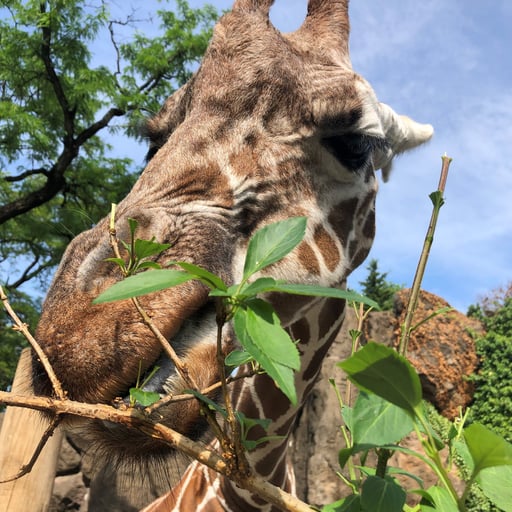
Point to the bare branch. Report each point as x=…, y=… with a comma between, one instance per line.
x=22, y=327
x=134, y=418
x=92, y=130
x=26, y=174
x=67, y=111
x=28, y=274
x=181, y=398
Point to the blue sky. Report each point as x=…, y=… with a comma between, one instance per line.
x=445, y=62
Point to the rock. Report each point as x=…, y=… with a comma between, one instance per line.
x=442, y=350
x=68, y=493
x=69, y=459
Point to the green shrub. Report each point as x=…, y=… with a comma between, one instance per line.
x=492, y=404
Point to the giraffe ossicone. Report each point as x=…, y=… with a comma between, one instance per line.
x=271, y=126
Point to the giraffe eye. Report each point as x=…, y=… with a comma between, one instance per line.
x=353, y=150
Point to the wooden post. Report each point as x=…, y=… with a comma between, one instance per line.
x=21, y=432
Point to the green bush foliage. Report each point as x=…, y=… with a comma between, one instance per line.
x=493, y=394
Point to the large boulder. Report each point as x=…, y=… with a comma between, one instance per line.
x=442, y=350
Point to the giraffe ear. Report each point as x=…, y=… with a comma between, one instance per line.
x=327, y=26
x=401, y=133
x=253, y=5
x=160, y=127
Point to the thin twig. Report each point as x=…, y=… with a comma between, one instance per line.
x=181, y=367
x=437, y=201
x=167, y=399
x=235, y=439
x=360, y=315
x=27, y=468
x=182, y=370
x=23, y=328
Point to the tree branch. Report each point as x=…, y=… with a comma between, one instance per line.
x=27, y=468
x=26, y=174
x=134, y=418
x=94, y=128
x=27, y=274
x=67, y=111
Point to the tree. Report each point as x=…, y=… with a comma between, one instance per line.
x=377, y=288
x=490, y=304
x=57, y=172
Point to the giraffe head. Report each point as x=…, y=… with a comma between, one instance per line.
x=271, y=126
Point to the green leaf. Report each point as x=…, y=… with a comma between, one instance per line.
x=141, y=284
x=495, y=483
x=147, y=248
x=250, y=444
x=272, y=243
x=381, y=370
x=148, y=264
x=398, y=471
x=347, y=413
x=132, y=223
x=461, y=449
x=349, y=504
x=382, y=495
x=377, y=421
x=282, y=375
x=264, y=327
x=208, y=401
x=248, y=423
x=343, y=455
x=437, y=499
x=437, y=199
x=261, y=285
x=144, y=398
x=487, y=449
x=118, y=261
x=323, y=291
x=211, y=280
x=238, y=358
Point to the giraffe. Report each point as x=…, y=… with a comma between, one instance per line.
x=270, y=126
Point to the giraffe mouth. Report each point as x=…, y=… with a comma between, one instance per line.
x=195, y=345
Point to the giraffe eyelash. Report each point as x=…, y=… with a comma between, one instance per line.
x=354, y=150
